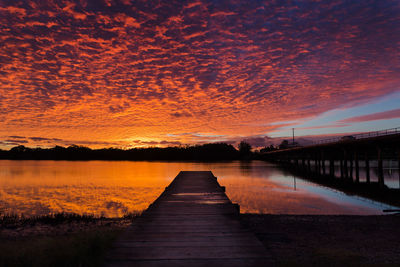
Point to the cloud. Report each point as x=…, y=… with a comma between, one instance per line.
x=385, y=115
x=16, y=137
x=258, y=142
x=181, y=114
x=15, y=141
x=323, y=126
x=44, y=139
x=116, y=71
x=50, y=142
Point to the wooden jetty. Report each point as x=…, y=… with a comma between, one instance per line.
x=192, y=223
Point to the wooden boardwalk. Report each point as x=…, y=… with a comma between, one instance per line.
x=192, y=223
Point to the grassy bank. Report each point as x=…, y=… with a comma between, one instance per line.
x=328, y=240
x=58, y=239
x=78, y=249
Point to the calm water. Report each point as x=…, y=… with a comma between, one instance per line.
x=113, y=188
x=390, y=171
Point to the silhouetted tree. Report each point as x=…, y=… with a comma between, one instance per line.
x=267, y=149
x=284, y=144
x=18, y=149
x=207, y=152
x=244, y=149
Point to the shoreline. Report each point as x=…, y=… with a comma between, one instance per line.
x=293, y=240
x=332, y=240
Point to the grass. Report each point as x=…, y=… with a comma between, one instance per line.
x=9, y=220
x=74, y=247
x=79, y=249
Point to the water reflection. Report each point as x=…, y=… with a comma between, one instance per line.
x=114, y=188
x=390, y=171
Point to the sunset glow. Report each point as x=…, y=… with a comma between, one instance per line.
x=159, y=73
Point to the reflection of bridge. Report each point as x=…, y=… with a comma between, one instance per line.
x=319, y=159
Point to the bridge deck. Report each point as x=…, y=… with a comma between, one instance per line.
x=192, y=223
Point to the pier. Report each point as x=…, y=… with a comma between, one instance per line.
x=192, y=223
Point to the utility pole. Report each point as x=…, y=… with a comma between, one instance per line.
x=293, y=136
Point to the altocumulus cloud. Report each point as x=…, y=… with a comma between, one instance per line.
x=117, y=71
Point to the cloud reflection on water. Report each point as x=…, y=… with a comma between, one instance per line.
x=115, y=188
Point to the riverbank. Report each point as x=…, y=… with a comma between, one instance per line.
x=58, y=240
x=293, y=240
x=328, y=240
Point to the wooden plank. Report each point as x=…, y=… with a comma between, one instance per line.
x=192, y=223
x=188, y=252
x=195, y=263
x=216, y=242
x=182, y=236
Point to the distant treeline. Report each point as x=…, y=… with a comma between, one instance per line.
x=206, y=152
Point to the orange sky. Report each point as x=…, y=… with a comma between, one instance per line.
x=139, y=73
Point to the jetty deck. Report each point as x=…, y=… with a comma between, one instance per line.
x=192, y=223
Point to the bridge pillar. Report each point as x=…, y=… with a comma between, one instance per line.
x=346, y=171
x=367, y=167
x=381, y=180
x=296, y=161
x=312, y=165
x=351, y=167
x=341, y=169
x=357, y=166
x=309, y=163
x=319, y=164
x=323, y=162
x=331, y=167
x=315, y=169
x=398, y=164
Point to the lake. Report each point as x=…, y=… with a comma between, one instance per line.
x=114, y=188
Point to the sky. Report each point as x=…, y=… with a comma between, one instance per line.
x=163, y=73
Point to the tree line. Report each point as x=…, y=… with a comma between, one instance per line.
x=206, y=152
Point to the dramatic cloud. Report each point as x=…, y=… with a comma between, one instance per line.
x=385, y=115
x=112, y=72
x=50, y=142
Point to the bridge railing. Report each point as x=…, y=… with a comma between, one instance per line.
x=360, y=136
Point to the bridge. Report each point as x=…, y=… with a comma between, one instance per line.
x=384, y=132
x=192, y=223
x=319, y=160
